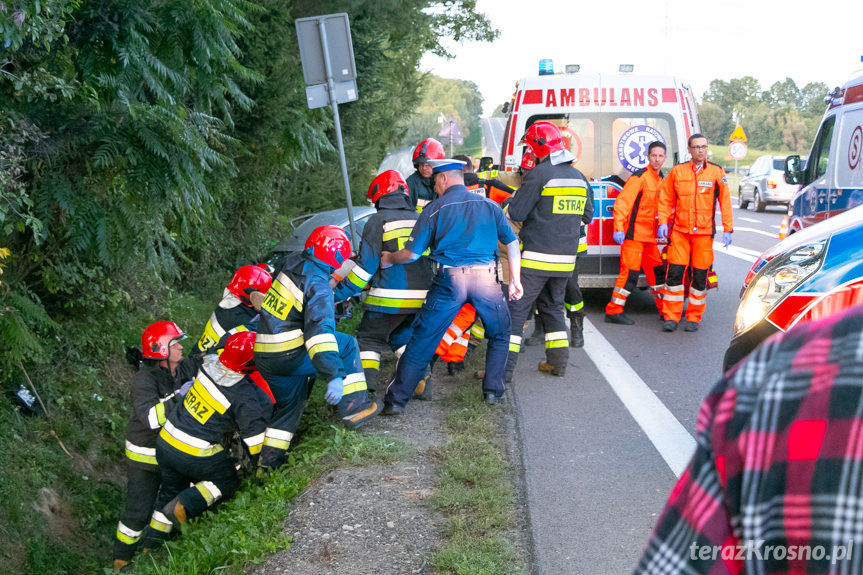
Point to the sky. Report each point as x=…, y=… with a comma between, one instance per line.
x=695, y=41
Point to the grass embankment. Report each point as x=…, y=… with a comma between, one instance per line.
x=475, y=493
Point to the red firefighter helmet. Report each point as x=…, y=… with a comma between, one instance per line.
x=429, y=149
x=158, y=337
x=329, y=244
x=249, y=278
x=543, y=138
x=385, y=183
x=527, y=161
x=239, y=352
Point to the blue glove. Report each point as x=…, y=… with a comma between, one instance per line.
x=335, y=389
x=726, y=239
x=619, y=237
x=184, y=389
x=662, y=231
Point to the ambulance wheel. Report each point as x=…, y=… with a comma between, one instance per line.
x=741, y=203
x=757, y=204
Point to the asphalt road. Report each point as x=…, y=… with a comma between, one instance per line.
x=602, y=446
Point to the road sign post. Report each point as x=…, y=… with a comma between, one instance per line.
x=325, y=45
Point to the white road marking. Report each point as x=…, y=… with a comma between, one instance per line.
x=667, y=434
x=756, y=231
x=740, y=253
x=749, y=219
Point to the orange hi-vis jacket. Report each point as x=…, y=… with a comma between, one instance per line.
x=691, y=194
x=453, y=347
x=636, y=205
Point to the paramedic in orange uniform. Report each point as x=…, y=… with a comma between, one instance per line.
x=691, y=192
x=635, y=228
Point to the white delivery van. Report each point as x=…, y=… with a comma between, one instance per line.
x=607, y=120
x=832, y=181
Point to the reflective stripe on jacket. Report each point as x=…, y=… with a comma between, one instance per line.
x=691, y=195
x=636, y=205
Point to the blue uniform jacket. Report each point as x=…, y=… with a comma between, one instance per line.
x=461, y=229
x=398, y=289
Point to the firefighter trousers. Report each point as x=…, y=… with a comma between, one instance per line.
x=573, y=299
x=213, y=477
x=450, y=290
x=142, y=488
x=376, y=330
x=548, y=294
x=635, y=256
x=685, y=250
x=292, y=388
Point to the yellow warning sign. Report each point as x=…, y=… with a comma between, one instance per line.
x=738, y=135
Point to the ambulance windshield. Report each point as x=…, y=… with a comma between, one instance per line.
x=608, y=145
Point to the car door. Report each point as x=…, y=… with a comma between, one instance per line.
x=815, y=204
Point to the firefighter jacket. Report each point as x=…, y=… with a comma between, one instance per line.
x=553, y=202
x=492, y=189
x=154, y=395
x=229, y=314
x=421, y=191
x=691, y=195
x=298, y=316
x=636, y=205
x=398, y=289
x=218, y=403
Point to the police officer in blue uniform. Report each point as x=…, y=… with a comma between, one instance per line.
x=461, y=229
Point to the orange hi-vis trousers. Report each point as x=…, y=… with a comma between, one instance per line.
x=453, y=347
x=687, y=250
x=635, y=256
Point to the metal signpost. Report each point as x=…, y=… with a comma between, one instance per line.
x=325, y=47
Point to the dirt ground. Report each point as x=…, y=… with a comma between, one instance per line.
x=379, y=519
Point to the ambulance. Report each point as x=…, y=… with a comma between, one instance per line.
x=607, y=121
x=832, y=180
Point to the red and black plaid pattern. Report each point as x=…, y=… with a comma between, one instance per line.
x=778, y=464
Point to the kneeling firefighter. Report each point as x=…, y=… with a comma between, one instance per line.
x=297, y=339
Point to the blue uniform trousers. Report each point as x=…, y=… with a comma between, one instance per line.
x=291, y=386
x=450, y=290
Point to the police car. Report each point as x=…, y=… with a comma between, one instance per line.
x=607, y=122
x=809, y=275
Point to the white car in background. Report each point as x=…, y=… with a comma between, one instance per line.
x=765, y=184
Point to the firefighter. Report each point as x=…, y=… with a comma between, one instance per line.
x=189, y=450
x=397, y=292
x=691, y=192
x=297, y=339
x=155, y=392
x=462, y=231
x=491, y=188
x=550, y=203
x=235, y=308
x=420, y=186
x=635, y=229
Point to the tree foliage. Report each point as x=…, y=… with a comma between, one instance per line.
x=149, y=147
x=783, y=117
x=460, y=99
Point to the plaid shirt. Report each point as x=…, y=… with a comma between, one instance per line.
x=776, y=482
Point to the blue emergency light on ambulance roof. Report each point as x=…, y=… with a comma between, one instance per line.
x=546, y=67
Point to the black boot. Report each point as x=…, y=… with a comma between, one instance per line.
x=538, y=335
x=576, y=330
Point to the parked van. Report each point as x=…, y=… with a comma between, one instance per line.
x=607, y=121
x=832, y=180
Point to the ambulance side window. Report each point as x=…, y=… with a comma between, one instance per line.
x=819, y=160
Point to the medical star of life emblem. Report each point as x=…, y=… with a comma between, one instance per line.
x=632, y=146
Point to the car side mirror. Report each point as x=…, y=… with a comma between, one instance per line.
x=793, y=170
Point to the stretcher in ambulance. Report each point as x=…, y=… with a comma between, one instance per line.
x=607, y=121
